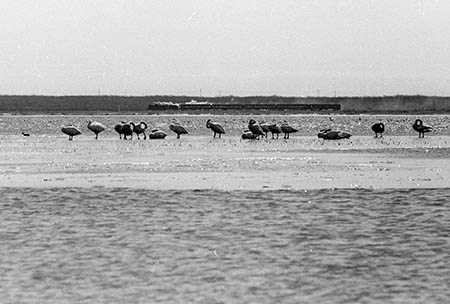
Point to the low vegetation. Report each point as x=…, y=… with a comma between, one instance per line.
x=29, y=104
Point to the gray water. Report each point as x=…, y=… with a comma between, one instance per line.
x=138, y=246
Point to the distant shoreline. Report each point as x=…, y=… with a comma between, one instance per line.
x=215, y=113
x=110, y=105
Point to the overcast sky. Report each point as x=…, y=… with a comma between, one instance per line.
x=229, y=47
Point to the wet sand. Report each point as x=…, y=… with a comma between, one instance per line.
x=201, y=162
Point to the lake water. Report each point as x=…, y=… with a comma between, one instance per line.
x=130, y=245
x=103, y=245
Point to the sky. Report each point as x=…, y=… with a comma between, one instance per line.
x=229, y=47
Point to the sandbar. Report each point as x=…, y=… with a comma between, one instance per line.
x=197, y=163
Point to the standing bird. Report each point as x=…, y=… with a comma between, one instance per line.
x=125, y=129
x=178, y=128
x=255, y=128
x=330, y=134
x=419, y=127
x=128, y=129
x=157, y=134
x=119, y=129
x=275, y=129
x=378, y=128
x=71, y=131
x=140, y=129
x=287, y=129
x=265, y=127
x=215, y=127
x=96, y=127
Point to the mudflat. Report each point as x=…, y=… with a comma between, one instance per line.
x=229, y=163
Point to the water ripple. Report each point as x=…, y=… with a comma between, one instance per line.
x=125, y=245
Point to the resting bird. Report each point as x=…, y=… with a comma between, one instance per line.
x=96, y=127
x=140, y=129
x=378, y=128
x=25, y=134
x=255, y=128
x=177, y=128
x=247, y=134
x=275, y=129
x=157, y=134
x=330, y=134
x=287, y=129
x=215, y=127
x=265, y=127
x=419, y=127
x=71, y=131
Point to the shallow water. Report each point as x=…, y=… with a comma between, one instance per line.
x=103, y=245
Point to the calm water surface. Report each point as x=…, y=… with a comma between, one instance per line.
x=105, y=245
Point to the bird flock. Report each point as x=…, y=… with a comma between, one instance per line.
x=254, y=130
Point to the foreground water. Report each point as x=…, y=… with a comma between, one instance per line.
x=103, y=245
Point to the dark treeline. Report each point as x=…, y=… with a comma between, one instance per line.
x=29, y=104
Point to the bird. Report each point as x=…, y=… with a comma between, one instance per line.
x=419, y=127
x=127, y=129
x=119, y=128
x=247, y=134
x=275, y=129
x=140, y=129
x=215, y=127
x=71, y=131
x=265, y=127
x=330, y=134
x=96, y=127
x=378, y=128
x=178, y=128
x=287, y=129
x=255, y=128
x=25, y=134
x=157, y=134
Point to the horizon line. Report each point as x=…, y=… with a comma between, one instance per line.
x=223, y=96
